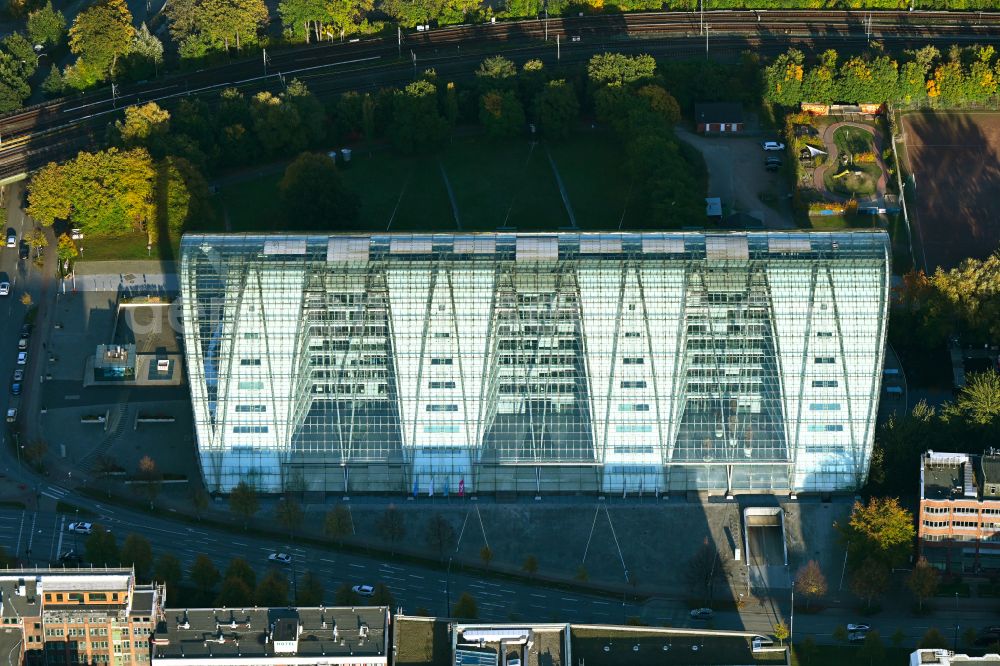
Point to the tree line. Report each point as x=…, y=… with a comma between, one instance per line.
x=151, y=179
x=966, y=74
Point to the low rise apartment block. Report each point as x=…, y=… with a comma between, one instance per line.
x=959, y=523
x=279, y=636
x=76, y=616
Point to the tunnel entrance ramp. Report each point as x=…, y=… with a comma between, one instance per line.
x=767, y=551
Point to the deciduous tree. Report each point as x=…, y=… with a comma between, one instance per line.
x=882, y=530
x=501, y=113
x=47, y=26
x=933, y=639
x=243, y=502
x=168, y=571
x=391, y=526
x=810, y=581
x=241, y=569
x=310, y=590
x=440, y=534
x=338, y=523
x=465, y=608
x=290, y=515
x=136, y=552
x=923, y=581
x=272, y=590
x=870, y=580
x=556, y=109
x=101, y=548
x=313, y=194
x=204, y=574
x=530, y=565
x=101, y=34
x=234, y=592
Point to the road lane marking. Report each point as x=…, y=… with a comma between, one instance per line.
x=540, y=596
x=357, y=566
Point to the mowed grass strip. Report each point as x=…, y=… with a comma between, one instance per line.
x=497, y=185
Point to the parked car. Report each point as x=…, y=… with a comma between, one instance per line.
x=702, y=613
x=15, y=388
x=4, y=288
x=18, y=375
x=280, y=558
x=11, y=238
x=22, y=358
x=80, y=528
x=363, y=590
x=11, y=414
x=762, y=641
x=26, y=330
x=22, y=249
x=22, y=344
x=70, y=557
x=773, y=145
x=859, y=627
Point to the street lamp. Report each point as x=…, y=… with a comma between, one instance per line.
x=447, y=586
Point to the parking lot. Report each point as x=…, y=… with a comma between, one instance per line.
x=737, y=175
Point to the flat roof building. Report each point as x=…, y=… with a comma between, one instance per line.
x=71, y=616
x=552, y=362
x=959, y=527
x=285, y=636
x=948, y=658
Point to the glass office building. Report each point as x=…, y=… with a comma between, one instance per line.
x=535, y=363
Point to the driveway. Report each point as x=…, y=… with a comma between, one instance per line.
x=736, y=174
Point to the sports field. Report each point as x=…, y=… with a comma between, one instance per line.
x=952, y=169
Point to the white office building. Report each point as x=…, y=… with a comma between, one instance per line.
x=535, y=363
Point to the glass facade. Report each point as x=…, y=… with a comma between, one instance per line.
x=562, y=362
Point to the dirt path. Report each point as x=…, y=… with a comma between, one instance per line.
x=820, y=184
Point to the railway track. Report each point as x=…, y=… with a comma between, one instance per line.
x=55, y=130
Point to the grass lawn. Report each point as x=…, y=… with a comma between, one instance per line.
x=129, y=246
x=837, y=655
x=420, y=641
x=496, y=185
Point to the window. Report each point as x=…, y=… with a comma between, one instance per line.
x=967, y=510
x=633, y=408
x=251, y=385
x=442, y=335
x=633, y=360
x=98, y=596
x=825, y=383
x=633, y=384
x=964, y=523
x=253, y=409
x=825, y=360
x=935, y=509
x=76, y=597
x=441, y=428
x=440, y=361
x=254, y=430
x=826, y=428
x=249, y=361
x=442, y=385
x=442, y=408
x=634, y=428
x=251, y=336
x=632, y=334
x=934, y=523
x=824, y=407
x=824, y=334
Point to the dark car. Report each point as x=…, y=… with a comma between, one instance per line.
x=22, y=250
x=15, y=388
x=70, y=557
x=26, y=330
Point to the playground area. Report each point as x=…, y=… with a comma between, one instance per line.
x=951, y=165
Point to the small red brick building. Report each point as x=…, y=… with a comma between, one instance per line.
x=718, y=118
